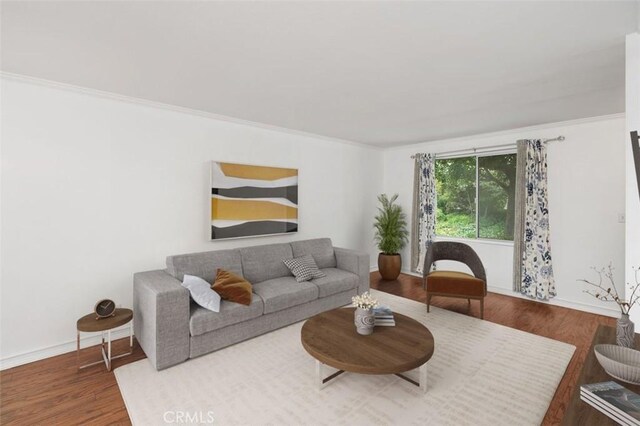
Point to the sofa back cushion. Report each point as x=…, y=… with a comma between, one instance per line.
x=205, y=264
x=321, y=249
x=261, y=263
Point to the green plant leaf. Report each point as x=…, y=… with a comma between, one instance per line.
x=390, y=226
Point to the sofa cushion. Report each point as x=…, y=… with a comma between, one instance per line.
x=320, y=248
x=335, y=281
x=203, y=321
x=262, y=263
x=205, y=264
x=284, y=292
x=455, y=283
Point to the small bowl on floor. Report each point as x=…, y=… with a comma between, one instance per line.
x=619, y=362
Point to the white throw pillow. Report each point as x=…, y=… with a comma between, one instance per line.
x=202, y=293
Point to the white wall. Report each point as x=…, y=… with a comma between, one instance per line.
x=632, y=123
x=586, y=191
x=95, y=189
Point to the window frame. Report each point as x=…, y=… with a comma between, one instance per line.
x=476, y=154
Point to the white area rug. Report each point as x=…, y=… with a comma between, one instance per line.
x=480, y=374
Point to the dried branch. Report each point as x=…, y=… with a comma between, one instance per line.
x=610, y=294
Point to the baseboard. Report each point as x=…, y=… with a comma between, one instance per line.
x=585, y=307
x=63, y=348
x=412, y=273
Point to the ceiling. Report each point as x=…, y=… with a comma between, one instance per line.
x=380, y=73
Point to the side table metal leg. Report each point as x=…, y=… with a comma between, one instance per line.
x=103, y=351
x=109, y=350
x=78, y=349
x=106, y=349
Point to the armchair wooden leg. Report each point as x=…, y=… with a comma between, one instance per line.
x=428, y=302
x=482, y=308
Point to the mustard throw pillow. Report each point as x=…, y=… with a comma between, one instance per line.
x=232, y=287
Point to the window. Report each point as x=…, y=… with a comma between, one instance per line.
x=475, y=196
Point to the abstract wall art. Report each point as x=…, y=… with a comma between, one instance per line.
x=248, y=200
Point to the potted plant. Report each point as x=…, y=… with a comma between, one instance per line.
x=390, y=235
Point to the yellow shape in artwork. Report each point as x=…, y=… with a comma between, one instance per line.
x=256, y=172
x=250, y=210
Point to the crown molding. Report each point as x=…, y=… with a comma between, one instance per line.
x=218, y=117
x=174, y=108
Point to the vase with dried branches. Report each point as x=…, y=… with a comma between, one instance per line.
x=605, y=289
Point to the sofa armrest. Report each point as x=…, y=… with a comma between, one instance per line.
x=161, y=317
x=356, y=262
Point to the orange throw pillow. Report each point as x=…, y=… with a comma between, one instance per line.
x=231, y=287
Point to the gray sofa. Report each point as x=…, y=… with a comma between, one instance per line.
x=171, y=328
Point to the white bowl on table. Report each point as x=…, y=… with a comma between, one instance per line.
x=619, y=362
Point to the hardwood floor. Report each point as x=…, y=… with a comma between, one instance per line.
x=566, y=325
x=52, y=391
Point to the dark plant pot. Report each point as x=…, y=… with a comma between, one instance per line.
x=389, y=266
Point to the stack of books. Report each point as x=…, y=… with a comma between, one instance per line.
x=614, y=401
x=383, y=316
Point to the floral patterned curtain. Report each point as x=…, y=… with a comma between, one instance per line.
x=424, y=219
x=535, y=277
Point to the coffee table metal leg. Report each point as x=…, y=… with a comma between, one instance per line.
x=319, y=380
x=322, y=381
x=423, y=377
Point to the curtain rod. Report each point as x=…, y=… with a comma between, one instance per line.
x=490, y=148
x=559, y=138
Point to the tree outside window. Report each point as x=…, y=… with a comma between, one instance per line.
x=476, y=196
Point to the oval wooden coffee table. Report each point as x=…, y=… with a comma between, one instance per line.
x=331, y=338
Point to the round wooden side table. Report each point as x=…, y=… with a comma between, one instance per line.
x=90, y=324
